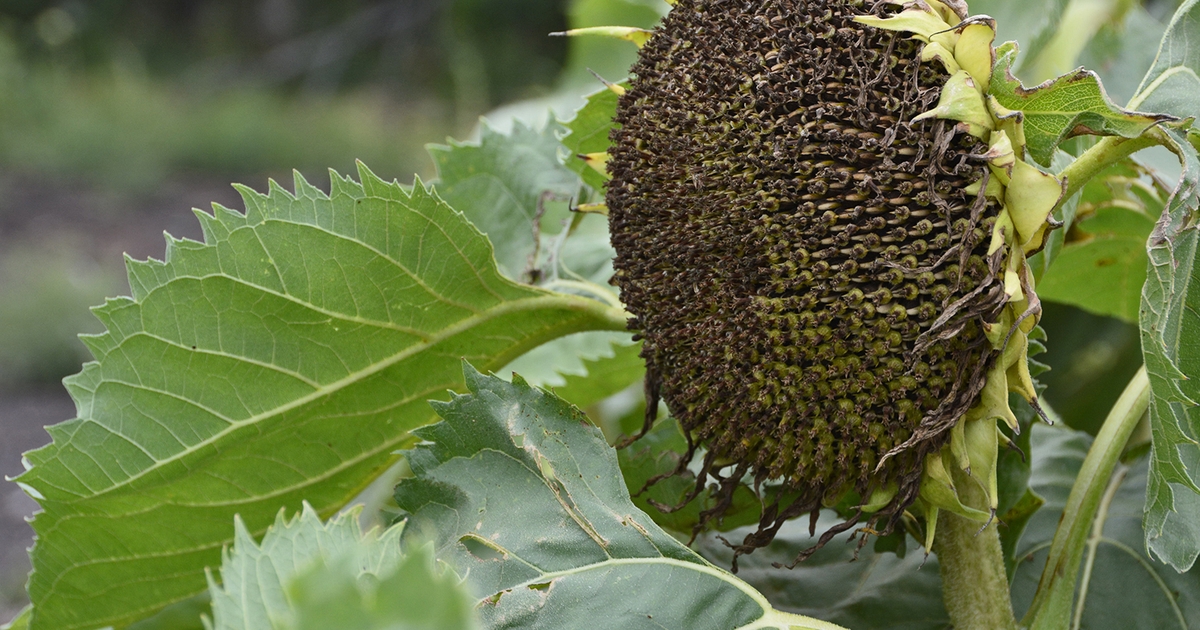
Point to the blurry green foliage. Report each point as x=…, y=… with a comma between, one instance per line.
x=47, y=291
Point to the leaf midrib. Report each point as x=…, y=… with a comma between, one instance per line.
x=533, y=303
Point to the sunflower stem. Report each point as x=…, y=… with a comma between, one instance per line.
x=1108, y=151
x=974, y=584
x=1051, y=606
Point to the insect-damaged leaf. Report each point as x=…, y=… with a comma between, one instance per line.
x=522, y=496
x=1071, y=105
x=1170, y=331
x=285, y=358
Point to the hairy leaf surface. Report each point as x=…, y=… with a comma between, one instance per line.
x=284, y=359
x=522, y=496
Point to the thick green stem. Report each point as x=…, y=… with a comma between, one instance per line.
x=1051, y=608
x=1108, y=151
x=974, y=584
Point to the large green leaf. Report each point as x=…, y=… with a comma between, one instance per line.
x=1125, y=589
x=309, y=574
x=1170, y=331
x=1170, y=321
x=878, y=591
x=523, y=497
x=1172, y=84
x=284, y=359
x=1103, y=267
x=1071, y=105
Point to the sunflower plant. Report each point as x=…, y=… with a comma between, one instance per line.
x=764, y=317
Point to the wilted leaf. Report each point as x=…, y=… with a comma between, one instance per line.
x=1071, y=105
x=1126, y=590
x=285, y=359
x=522, y=496
x=1170, y=330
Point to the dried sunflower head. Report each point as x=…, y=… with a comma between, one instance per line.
x=814, y=236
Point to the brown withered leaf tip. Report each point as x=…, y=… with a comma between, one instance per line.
x=803, y=264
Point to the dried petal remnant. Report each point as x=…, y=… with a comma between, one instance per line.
x=808, y=274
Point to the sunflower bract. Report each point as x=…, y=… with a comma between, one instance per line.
x=803, y=262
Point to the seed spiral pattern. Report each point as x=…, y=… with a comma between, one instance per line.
x=802, y=261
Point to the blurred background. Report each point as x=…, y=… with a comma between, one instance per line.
x=119, y=116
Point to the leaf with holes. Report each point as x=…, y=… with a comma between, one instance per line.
x=284, y=359
x=520, y=494
x=1170, y=332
